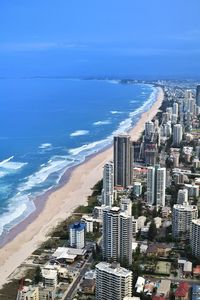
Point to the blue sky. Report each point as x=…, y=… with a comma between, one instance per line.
x=137, y=38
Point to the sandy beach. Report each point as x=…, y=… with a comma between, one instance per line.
x=61, y=202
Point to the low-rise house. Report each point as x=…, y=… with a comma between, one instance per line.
x=164, y=288
x=143, y=248
x=139, y=286
x=141, y=221
x=64, y=254
x=148, y=288
x=28, y=293
x=196, y=271
x=158, y=250
x=88, y=221
x=187, y=268
x=50, y=277
x=90, y=274
x=144, y=231
x=181, y=262
x=47, y=293
x=88, y=286
x=166, y=211
x=158, y=222
x=182, y=291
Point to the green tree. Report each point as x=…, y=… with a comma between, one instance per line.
x=38, y=275
x=152, y=231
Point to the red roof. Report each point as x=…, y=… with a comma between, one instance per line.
x=182, y=290
x=196, y=270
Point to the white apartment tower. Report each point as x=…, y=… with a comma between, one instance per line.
x=182, y=196
x=177, y=135
x=175, y=108
x=195, y=238
x=149, y=129
x=77, y=235
x=112, y=282
x=156, y=184
x=108, y=184
x=182, y=216
x=117, y=235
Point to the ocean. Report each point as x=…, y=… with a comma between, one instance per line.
x=48, y=125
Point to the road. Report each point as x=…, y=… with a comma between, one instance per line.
x=75, y=284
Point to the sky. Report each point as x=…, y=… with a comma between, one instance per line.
x=121, y=38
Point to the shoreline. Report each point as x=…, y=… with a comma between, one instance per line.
x=59, y=202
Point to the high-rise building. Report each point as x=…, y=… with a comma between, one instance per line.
x=182, y=196
x=117, y=235
x=77, y=235
x=198, y=95
x=156, y=184
x=175, y=108
x=137, y=188
x=191, y=106
x=182, y=216
x=151, y=154
x=160, y=186
x=195, y=238
x=108, y=184
x=123, y=161
x=177, y=135
x=149, y=129
x=112, y=282
x=188, y=94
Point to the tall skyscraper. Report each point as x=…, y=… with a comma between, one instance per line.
x=156, y=184
x=149, y=129
x=108, y=184
x=182, y=216
x=175, y=108
x=77, y=235
x=198, y=95
x=123, y=161
x=177, y=135
x=195, y=238
x=112, y=282
x=160, y=186
x=182, y=196
x=117, y=235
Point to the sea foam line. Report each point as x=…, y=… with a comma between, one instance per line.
x=58, y=165
x=79, y=133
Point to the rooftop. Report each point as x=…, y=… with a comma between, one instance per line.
x=113, y=268
x=49, y=273
x=182, y=290
x=196, y=222
x=77, y=226
x=68, y=253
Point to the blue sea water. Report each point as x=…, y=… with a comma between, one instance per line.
x=48, y=125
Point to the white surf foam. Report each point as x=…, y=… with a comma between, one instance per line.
x=21, y=206
x=18, y=209
x=79, y=133
x=54, y=165
x=8, y=166
x=99, y=123
x=45, y=146
x=115, y=112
